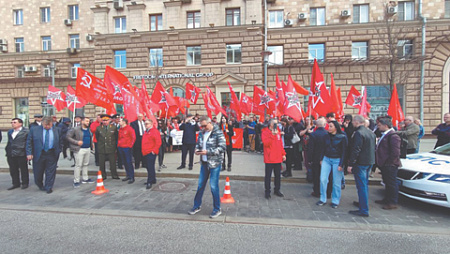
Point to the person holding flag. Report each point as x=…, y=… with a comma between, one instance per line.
x=228, y=132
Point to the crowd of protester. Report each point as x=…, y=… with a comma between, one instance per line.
x=327, y=147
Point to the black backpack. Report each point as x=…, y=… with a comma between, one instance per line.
x=403, y=144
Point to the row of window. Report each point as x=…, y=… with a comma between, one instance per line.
x=46, y=72
x=46, y=42
x=45, y=17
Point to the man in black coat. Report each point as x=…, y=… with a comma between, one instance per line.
x=189, y=128
x=316, y=150
x=139, y=129
x=16, y=154
x=362, y=158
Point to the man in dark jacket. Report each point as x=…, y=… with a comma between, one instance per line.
x=107, y=145
x=16, y=154
x=443, y=131
x=37, y=121
x=362, y=158
x=388, y=160
x=139, y=129
x=316, y=150
x=189, y=128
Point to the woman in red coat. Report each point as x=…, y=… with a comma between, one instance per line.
x=151, y=141
x=274, y=155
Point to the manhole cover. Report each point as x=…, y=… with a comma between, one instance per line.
x=171, y=186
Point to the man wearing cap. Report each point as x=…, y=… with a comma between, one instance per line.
x=107, y=145
x=44, y=145
x=77, y=121
x=189, y=128
x=116, y=121
x=139, y=129
x=79, y=139
x=37, y=121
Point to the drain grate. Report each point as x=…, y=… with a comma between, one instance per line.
x=171, y=186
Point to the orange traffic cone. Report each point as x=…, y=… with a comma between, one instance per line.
x=227, y=198
x=100, y=187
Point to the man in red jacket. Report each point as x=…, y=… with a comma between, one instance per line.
x=274, y=155
x=151, y=141
x=93, y=128
x=125, y=143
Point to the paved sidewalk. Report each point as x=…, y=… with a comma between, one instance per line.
x=171, y=198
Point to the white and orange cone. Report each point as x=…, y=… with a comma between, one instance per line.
x=227, y=198
x=100, y=187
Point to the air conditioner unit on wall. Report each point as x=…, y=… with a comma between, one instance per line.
x=288, y=22
x=30, y=69
x=89, y=37
x=392, y=10
x=345, y=13
x=302, y=16
x=3, y=48
x=3, y=42
x=67, y=22
x=118, y=4
x=72, y=50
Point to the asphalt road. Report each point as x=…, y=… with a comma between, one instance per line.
x=53, y=232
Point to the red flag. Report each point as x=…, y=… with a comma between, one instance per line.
x=171, y=91
x=234, y=103
x=213, y=100
x=93, y=90
x=181, y=104
x=209, y=107
x=56, y=97
x=72, y=100
x=145, y=100
x=279, y=95
x=162, y=97
x=246, y=104
x=298, y=88
x=354, y=99
x=263, y=100
x=395, y=109
x=335, y=104
x=319, y=96
x=192, y=93
x=292, y=105
x=340, y=114
x=364, y=109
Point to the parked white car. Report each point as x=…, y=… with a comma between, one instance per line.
x=426, y=176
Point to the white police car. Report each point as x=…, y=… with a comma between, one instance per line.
x=426, y=176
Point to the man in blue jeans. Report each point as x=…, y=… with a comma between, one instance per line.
x=211, y=146
x=362, y=157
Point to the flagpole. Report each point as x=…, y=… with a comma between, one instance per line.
x=73, y=115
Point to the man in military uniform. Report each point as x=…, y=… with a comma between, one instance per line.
x=106, y=135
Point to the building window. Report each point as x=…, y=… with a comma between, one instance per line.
x=276, y=19
x=316, y=51
x=360, y=50
x=317, y=17
x=156, y=57
x=193, y=19
x=47, y=108
x=120, y=59
x=361, y=13
x=120, y=25
x=18, y=17
x=405, y=11
x=74, y=41
x=234, y=52
x=194, y=55
x=45, y=14
x=22, y=110
x=178, y=92
x=73, y=12
x=404, y=49
x=46, y=43
x=46, y=71
x=447, y=9
x=233, y=17
x=277, y=56
x=20, y=71
x=156, y=22
x=74, y=70
x=379, y=97
x=20, y=45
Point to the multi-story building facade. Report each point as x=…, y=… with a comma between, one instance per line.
x=212, y=42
